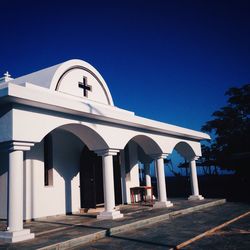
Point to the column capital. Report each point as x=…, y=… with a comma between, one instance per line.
x=159, y=156
x=16, y=146
x=195, y=158
x=107, y=152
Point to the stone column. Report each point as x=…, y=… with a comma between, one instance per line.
x=161, y=183
x=194, y=181
x=108, y=185
x=15, y=231
x=148, y=177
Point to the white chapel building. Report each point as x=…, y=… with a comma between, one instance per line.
x=64, y=145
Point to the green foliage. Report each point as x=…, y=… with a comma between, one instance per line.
x=230, y=148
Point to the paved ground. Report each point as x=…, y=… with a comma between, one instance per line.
x=61, y=228
x=131, y=213
x=170, y=233
x=234, y=236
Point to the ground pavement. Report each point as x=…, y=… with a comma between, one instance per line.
x=170, y=233
x=68, y=231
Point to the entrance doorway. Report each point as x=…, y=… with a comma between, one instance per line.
x=117, y=179
x=91, y=179
x=91, y=182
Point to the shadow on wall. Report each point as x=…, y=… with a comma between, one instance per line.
x=66, y=161
x=33, y=161
x=3, y=184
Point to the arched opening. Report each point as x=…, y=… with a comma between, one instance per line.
x=137, y=166
x=178, y=171
x=57, y=170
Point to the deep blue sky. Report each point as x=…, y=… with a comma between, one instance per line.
x=167, y=60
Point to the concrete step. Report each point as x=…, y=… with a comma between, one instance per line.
x=130, y=226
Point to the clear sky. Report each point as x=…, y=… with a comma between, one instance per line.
x=167, y=60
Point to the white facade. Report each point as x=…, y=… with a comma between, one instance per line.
x=72, y=103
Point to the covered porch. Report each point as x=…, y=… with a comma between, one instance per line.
x=32, y=167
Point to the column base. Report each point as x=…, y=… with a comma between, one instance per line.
x=148, y=197
x=109, y=215
x=12, y=237
x=195, y=197
x=162, y=204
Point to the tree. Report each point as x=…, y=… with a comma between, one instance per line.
x=230, y=128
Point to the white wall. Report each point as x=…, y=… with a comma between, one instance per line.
x=26, y=128
x=6, y=127
x=131, y=178
x=3, y=184
x=134, y=165
x=64, y=195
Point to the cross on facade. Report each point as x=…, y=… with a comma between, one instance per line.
x=7, y=75
x=83, y=85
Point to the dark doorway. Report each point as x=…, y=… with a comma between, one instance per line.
x=91, y=179
x=117, y=179
x=91, y=182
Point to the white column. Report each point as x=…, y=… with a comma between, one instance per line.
x=148, y=177
x=15, y=199
x=108, y=185
x=161, y=183
x=15, y=231
x=194, y=181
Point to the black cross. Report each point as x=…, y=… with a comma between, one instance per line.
x=85, y=86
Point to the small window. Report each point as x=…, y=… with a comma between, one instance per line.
x=48, y=160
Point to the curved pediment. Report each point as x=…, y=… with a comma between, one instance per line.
x=78, y=78
x=75, y=78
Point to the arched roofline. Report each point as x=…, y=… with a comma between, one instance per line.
x=50, y=77
x=67, y=66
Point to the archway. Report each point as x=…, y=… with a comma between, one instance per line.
x=63, y=157
x=136, y=159
x=177, y=168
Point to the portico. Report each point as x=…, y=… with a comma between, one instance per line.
x=71, y=103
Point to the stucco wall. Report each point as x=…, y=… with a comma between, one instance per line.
x=129, y=178
x=3, y=184
x=64, y=195
x=96, y=134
